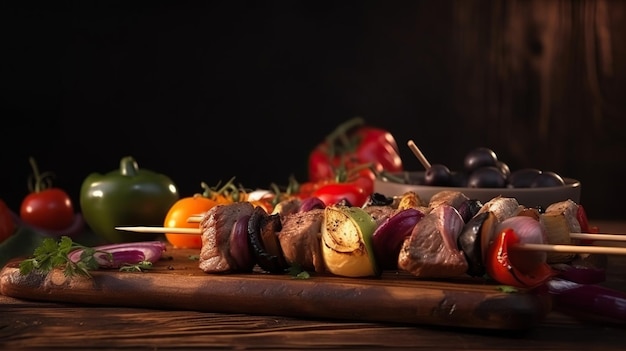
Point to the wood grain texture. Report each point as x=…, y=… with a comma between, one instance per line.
x=177, y=283
x=38, y=324
x=43, y=325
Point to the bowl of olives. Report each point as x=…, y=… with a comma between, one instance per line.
x=482, y=178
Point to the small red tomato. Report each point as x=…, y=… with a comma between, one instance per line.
x=46, y=207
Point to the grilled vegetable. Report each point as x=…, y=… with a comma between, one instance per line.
x=263, y=241
x=347, y=242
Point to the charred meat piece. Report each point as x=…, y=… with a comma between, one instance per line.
x=380, y=213
x=502, y=207
x=431, y=251
x=300, y=239
x=288, y=206
x=447, y=197
x=216, y=227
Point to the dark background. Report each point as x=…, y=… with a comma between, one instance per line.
x=204, y=91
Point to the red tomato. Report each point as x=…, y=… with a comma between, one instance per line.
x=7, y=225
x=46, y=207
x=500, y=268
x=333, y=193
x=352, y=144
x=50, y=208
x=365, y=179
x=177, y=217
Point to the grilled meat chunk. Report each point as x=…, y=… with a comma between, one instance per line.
x=300, y=239
x=431, y=251
x=380, y=213
x=447, y=197
x=502, y=207
x=216, y=226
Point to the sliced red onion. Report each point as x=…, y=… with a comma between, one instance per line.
x=311, y=203
x=388, y=237
x=239, y=249
x=469, y=208
x=529, y=231
x=124, y=253
x=594, y=300
x=452, y=225
x=118, y=259
x=580, y=274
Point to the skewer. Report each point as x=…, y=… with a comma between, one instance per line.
x=588, y=236
x=161, y=230
x=572, y=249
x=194, y=218
x=598, y=237
x=526, y=247
x=420, y=156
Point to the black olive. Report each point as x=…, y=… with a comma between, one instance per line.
x=486, y=177
x=546, y=179
x=480, y=157
x=469, y=241
x=523, y=178
x=438, y=175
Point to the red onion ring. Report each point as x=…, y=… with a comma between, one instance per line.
x=239, y=249
x=594, y=300
x=124, y=253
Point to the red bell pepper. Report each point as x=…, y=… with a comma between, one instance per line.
x=354, y=144
x=354, y=186
x=499, y=266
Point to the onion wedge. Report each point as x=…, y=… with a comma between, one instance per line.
x=118, y=255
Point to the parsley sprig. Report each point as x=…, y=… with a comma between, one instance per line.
x=53, y=254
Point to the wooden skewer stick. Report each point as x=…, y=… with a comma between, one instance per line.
x=588, y=236
x=527, y=247
x=598, y=237
x=157, y=230
x=194, y=219
x=420, y=156
x=572, y=249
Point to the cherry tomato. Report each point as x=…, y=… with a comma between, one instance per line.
x=7, y=225
x=177, y=217
x=46, y=207
x=500, y=268
x=333, y=193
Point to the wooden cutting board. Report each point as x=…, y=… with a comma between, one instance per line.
x=176, y=282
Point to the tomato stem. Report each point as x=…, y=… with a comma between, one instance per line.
x=341, y=133
x=41, y=180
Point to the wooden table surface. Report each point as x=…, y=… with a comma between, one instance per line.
x=46, y=325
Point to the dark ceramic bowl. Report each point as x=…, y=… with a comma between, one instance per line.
x=399, y=183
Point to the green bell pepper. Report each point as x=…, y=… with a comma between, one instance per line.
x=126, y=197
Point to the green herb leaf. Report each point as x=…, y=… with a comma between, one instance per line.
x=296, y=271
x=139, y=267
x=507, y=289
x=53, y=254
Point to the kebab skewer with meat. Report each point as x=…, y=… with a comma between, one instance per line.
x=435, y=240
